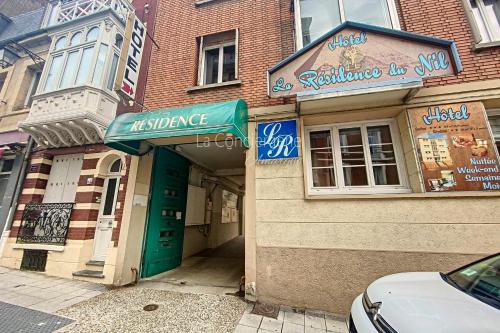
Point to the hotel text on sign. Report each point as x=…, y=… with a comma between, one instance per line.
x=455, y=148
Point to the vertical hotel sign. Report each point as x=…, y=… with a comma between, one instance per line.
x=455, y=148
x=130, y=58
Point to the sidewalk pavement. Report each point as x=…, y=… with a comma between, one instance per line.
x=43, y=293
x=291, y=320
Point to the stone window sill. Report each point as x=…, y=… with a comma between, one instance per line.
x=202, y=2
x=482, y=46
x=464, y=194
x=214, y=85
x=48, y=247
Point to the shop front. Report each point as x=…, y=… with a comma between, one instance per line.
x=186, y=209
x=373, y=171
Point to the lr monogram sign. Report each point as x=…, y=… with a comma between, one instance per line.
x=277, y=140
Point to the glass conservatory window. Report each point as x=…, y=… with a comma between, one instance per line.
x=54, y=69
x=85, y=63
x=119, y=41
x=112, y=74
x=61, y=42
x=99, y=66
x=92, y=34
x=76, y=38
x=69, y=70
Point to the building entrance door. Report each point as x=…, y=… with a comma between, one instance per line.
x=104, y=228
x=164, y=234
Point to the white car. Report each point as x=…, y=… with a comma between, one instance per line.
x=464, y=301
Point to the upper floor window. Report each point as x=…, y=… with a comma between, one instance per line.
x=76, y=38
x=92, y=34
x=316, y=17
x=61, y=43
x=84, y=61
x=486, y=14
x=218, y=61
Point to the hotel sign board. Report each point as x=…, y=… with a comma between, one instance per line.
x=127, y=75
x=455, y=148
x=277, y=140
x=357, y=56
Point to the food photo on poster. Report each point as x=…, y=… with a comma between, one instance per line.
x=455, y=148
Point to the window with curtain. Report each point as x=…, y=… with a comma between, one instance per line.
x=320, y=16
x=354, y=158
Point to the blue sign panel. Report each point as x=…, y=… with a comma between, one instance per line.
x=277, y=140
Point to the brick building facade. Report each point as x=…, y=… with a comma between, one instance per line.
x=317, y=228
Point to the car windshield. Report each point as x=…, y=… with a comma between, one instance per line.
x=480, y=280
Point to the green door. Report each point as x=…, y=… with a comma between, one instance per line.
x=167, y=210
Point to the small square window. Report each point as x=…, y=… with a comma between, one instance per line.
x=218, y=61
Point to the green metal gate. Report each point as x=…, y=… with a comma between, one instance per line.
x=166, y=215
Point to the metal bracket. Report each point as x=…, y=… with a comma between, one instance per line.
x=15, y=47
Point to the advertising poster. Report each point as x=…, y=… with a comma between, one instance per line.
x=455, y=148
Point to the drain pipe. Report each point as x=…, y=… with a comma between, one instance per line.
x=136, y=275
x=19, y=188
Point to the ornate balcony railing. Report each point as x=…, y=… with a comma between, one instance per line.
x=71, y=10
x=45, y=223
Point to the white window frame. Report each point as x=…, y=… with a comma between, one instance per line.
x=111, y=175
x=393, y=13
x=32, y=90
x=78, y=48
x=11, y=157
x=492, y=36
x=221, y=60
x=339, y=187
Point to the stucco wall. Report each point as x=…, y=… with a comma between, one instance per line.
x=321, y=253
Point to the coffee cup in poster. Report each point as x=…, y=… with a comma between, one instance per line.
x=455, y=148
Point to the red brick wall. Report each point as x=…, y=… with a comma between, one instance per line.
x=74, y=233
x=266, y=37
x=447, y=19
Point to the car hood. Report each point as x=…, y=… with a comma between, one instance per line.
x=424, y=302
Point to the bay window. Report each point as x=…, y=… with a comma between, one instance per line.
x=316, y=17
x=81, y=58
x=354, y=158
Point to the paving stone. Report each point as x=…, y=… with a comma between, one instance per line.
x=16, y=319
x=271, y=325
x=264, y=331
x=293, y=317
x=315, y=321
x=315, y=330
x=245, y=329
x=251, y=320
x=315, y=313
x=292, y=328
x=336, y=326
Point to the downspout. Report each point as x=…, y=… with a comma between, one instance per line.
x=19, y=185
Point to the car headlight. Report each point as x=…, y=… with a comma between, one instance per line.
x=373, y=312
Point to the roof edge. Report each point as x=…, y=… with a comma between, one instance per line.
x=386, y=31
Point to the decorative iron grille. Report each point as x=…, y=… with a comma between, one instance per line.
x=45, y=223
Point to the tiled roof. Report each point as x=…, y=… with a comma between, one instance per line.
x=23, y=24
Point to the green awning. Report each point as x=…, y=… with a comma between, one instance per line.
x=129, y=132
